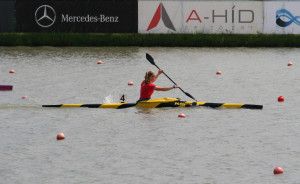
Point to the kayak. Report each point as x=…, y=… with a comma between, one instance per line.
x=6, y=87
x=162, y=102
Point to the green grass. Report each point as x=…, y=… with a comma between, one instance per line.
x=148, y=40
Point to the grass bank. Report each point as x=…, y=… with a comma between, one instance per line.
x=168, y=40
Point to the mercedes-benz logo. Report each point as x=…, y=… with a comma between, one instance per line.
x=45, y=16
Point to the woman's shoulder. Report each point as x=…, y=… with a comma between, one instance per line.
x=145, y=84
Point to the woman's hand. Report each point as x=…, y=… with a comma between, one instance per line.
x=160, y=72
x=175, y=86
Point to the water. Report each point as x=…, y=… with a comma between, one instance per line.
x=149, y=146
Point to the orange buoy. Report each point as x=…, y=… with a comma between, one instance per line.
x=100, y=62
x=60, y=136
x=280, y=99
x=218, y=72
x=278, y=170
x=181, y=115
x=130, y=83
x=12, y=71
x=290, y=63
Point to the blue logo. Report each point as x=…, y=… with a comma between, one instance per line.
x=289, y=18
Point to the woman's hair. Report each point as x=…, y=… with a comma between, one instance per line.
x=148, y=76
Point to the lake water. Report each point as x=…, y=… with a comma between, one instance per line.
x=139, y=146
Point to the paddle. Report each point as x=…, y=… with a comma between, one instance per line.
x=151, y=60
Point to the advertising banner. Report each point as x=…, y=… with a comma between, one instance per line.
x=117, y=16
x=231, y=17
x=282, y=17
x=7, y=16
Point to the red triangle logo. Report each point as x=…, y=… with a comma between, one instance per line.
x=161, y=13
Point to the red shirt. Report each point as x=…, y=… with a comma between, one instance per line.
x=146, y=90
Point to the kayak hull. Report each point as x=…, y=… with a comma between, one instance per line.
x=162, y=102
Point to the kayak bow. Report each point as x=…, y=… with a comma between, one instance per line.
x=163, y=102
x=6, y=87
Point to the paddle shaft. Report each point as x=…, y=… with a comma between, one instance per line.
x=169, y=78
x=151, y=60
x=189, y=95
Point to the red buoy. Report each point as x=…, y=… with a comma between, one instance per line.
x=12, y=71
x=100, y=62
x=60, y=136
x=290, y=63
x=278, y=170
x=280, y=99
x=218, y=73
x=130, y=83
x=181, y=115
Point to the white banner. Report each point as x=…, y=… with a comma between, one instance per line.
x=244, y=17
x=282, y=17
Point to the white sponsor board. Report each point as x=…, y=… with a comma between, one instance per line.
x=231, y=17
x=282, y=17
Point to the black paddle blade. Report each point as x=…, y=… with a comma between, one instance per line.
x=189, y=95
x=150, y=59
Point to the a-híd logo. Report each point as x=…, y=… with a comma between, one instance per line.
x=161, y=13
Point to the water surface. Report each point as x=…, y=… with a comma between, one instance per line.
x=149, y=146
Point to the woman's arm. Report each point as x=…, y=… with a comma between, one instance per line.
x=158, y=73
x=158, y=88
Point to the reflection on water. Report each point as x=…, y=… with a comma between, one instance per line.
x=18, y=106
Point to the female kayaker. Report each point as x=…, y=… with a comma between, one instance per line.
x=148, y=86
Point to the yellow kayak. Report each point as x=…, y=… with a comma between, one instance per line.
x=162, y=102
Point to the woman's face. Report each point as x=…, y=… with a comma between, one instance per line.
x=152, y=78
